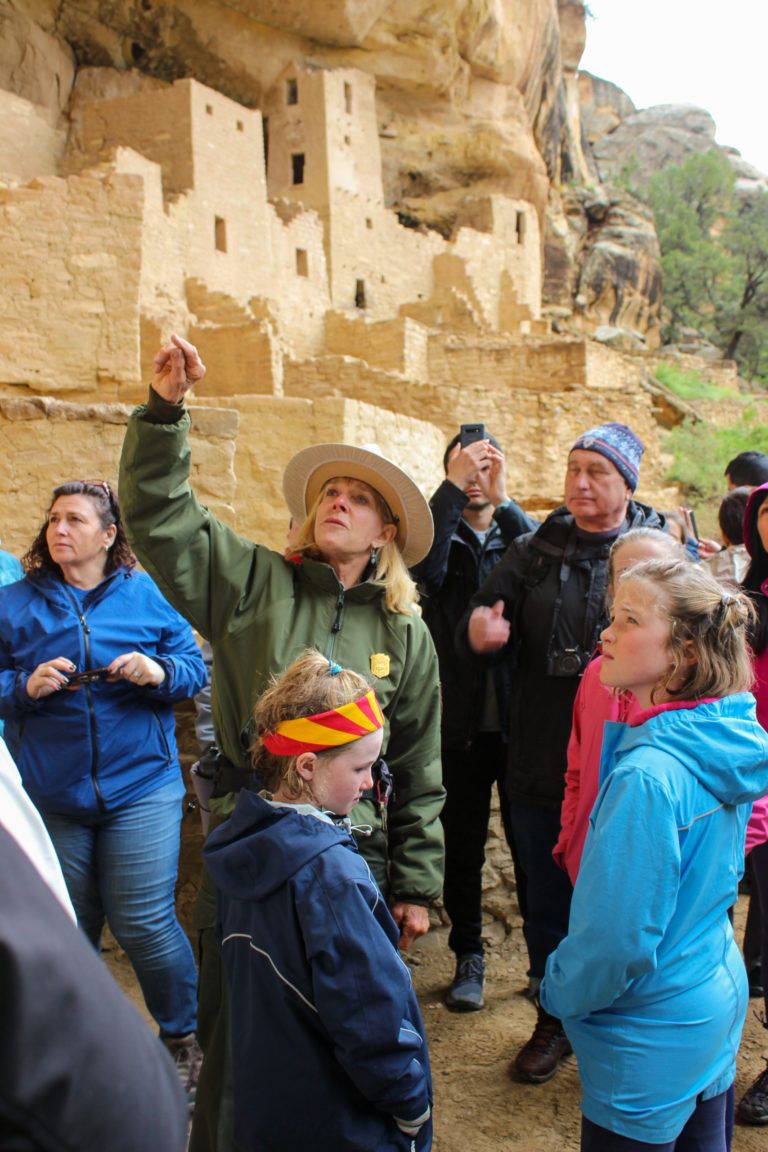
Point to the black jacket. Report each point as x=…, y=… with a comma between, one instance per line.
x=80, y=1071
x=451, y=572
x=528, y=580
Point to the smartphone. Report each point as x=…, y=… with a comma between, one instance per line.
x=472, y=432
x=88, y=676
x=692, y=515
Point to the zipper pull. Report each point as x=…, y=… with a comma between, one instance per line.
x=336, y=626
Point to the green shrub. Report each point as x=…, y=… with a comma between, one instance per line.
x=701, y=452
x=689, y=385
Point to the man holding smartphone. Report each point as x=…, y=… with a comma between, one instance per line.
x=474, y=521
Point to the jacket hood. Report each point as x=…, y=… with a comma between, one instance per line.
x=752, y=539
x=261, y=846
x=719, y=742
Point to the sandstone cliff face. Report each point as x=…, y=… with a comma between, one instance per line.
x=469, y=92
x=646, y=141
x=654, y=138
x=603, y=106
x=602, y=266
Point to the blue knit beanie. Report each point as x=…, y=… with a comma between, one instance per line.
x=618, y=444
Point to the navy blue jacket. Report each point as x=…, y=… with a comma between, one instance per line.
x=104, y=745
x=327, y=1039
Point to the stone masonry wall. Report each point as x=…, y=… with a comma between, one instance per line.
x=535, y=426
x=263, y=448
x=44, y=442
x=69, y=293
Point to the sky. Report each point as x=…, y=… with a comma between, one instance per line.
x=701, y=52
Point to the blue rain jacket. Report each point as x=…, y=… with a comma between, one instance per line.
x=10, y=568
x=649, y=982
x=327, y=1039
x=105, y=745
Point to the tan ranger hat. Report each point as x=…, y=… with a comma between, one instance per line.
x=311, y=468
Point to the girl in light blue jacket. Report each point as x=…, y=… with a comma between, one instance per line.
x=649, y=983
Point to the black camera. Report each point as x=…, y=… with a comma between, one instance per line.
x=567, y=661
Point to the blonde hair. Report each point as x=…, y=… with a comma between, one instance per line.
x=307, y=687
x=390, y=572
x=703, y=615
x=646, y=536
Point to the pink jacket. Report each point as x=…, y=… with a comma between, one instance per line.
x=757, y=829
x=594, y=705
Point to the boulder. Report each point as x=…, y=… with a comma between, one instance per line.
x=652, y=139
x=603, y=106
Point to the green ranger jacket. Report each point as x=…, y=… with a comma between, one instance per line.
x=260, y=611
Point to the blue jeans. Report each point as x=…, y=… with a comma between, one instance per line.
x=709, y=1129
x=121, y=866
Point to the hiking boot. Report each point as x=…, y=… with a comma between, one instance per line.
x=466, y=992
x=755, y=980
x=538, y=1059
x=753, y=1106
x=187, y=1056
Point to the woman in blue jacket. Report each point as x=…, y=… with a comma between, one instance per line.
x=98, y=755
x=649, y=982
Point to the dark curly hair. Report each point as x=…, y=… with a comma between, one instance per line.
x=38, y=559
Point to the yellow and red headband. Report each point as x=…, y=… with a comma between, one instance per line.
x=326, y=729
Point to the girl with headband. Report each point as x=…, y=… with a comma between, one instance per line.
x=649, y=982
x=309, y=947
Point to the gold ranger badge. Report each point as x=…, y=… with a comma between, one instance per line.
x=379, y=664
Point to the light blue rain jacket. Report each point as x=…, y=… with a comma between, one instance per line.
x=649, y=982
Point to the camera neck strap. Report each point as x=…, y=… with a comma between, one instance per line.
x=588, y=641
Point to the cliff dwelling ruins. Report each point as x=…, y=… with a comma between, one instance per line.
x=265, y=238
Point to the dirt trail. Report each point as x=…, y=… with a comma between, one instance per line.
x=478, y=1107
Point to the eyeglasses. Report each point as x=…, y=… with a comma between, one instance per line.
x=102, y=484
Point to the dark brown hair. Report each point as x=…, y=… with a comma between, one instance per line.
x=38, y=559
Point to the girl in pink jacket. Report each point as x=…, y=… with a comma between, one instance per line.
x=595, y=704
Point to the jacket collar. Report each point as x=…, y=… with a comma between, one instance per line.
x=51, y=586
x=322, y=576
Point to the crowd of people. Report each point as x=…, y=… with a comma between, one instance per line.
x=605, y=670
